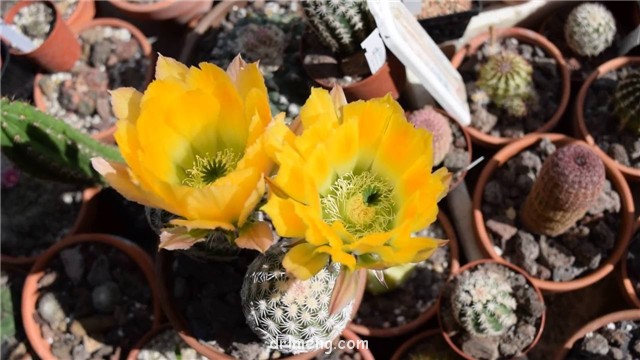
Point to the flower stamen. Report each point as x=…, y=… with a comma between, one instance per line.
x=207, y=169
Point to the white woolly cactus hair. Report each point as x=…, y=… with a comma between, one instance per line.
x=289, y=313
x=483, y=303
x=590, y=29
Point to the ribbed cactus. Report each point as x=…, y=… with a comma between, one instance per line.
x=48, y=148
x=340, y=25
x=483, y=304
x=590, y=29
x=429, y=119
x=507, y=78
x=570, y=181
x=627, y=101
x=288, y=313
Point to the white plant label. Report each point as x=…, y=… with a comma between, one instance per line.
x=375, y=51
x=16, y=38
x=414, y=6
x=408, y=41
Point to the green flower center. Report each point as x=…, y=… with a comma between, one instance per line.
x=363, y=202
x=207, y=169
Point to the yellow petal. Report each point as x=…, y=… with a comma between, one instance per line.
x=303, y=261
x=318, y=109
x=125, y=103
x=170, y=69
x=257, y=236
x=283, y=215
x=118, y=177
x=203, y=224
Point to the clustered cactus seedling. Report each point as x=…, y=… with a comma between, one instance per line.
x=292, y=314
x=507, y=77
x=428, y=118
x=570, y=181
x=340, y=25
x=483, y=303
x=589, y=29
x=48, y=148
x=627, y=102
x=264, y=43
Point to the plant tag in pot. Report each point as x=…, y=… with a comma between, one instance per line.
x=375, y=51
x=408, y=41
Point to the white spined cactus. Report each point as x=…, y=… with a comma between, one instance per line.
x=483, y=303
x=590, y=29
x=288, y=314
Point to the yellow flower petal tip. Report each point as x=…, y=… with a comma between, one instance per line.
x=125, y=102
x=168, y=68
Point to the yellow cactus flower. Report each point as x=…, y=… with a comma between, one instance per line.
x=354, y=186
x=193, y=146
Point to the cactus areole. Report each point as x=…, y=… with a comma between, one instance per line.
x=627, y=102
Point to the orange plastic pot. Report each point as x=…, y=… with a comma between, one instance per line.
x=83, y=223
x=626, y=284
x=59, y=51
x=580, y=126
x=31, y=293
x=180, y=11
x=106, y=135
x=84, y=12
x=613, y=174
x=628, y=315
x=516, y=269
x=432, y=310
x=527, y=36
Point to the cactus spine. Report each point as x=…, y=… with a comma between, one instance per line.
x=507, y=77
x=429, y=119
x=288, y=313
x=590, y=29
x=340, y=25
x=48, y=148
x=570, y=181
x=627, y=102
x=483, y=303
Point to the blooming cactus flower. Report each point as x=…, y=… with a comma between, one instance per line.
x=193, y=146
x=353, y=186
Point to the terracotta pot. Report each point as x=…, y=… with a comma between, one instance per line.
x=165, y=288
x=625, y=282
x=580, y=126
x=417, y=339
x=629, y=315
x=106, y=135
x=365, y=353
x=613, y=174
x=83, y=13
x=516, y=269
x=133, y=354
x=59, y=52
x=527, y=36
x=179, y=11
x=429, y=312
x=84, y=222
x=30, y=293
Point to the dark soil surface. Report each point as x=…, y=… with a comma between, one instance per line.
x=516, y=339
x=547, y=91
x=419, y=293
x=433, y=347
x=270, y=33
x=601, y=121
x=633, y=261
x=111, y=58
x=168, y=345
x=35, y=213
x=95, y=303
x=620, y=340
x=14, y=341
x=578, y=251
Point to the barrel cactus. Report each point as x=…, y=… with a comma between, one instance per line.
x=590, y=29
x=265, y=43
x=340, y=25
x=429, y=119
x=507, y=77
x=289, y=314
x=570, y=181
x=627, y=102
x=483, y=304
x=48, y=148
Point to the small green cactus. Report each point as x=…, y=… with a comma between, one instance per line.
x=483, y=303
x=48, y=148
x=507, y=78
x=288, y=314
x=627, y=102
x=570, y=181
x=340, y=25
x=429, y=119
x=590, y=29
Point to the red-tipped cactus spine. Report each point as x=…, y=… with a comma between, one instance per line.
x=569, y=182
